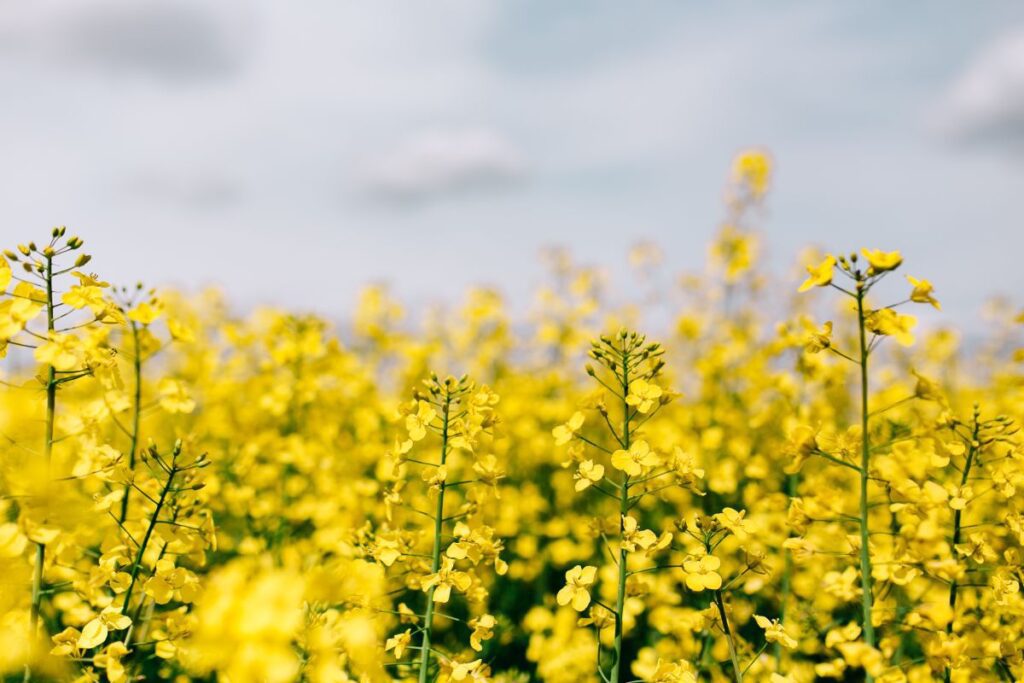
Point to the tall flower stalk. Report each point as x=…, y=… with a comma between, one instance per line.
x=445, y=396
x=458, y=414
x=139, y=308
x=867, y=595
x=63, y=359
x=879, y=323
x=629, y=369
x=136, y=414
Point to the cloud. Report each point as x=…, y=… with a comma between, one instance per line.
x=986, y=102
x=174, y=40
x=439, y=163
x=199, y=189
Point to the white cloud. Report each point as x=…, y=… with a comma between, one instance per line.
x=180, y=40
x=986, y=102
x=444, y=162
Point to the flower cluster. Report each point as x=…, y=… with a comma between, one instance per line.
x=779, y=489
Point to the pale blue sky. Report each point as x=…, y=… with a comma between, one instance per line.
x=294, y=151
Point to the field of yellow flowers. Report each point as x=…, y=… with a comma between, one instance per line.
x=780, y=482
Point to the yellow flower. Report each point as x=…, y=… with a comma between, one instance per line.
x=588, y=473
x=145, y=313
x=819, y=341
x=6, y=275
x=820, y=275
x=662, y=671
x=702, y=573
x=174, y=396
x=633, y=461
x=633, y=536
x=61, y=351
x=446, y=578
x=774, y=632
x=644, y=395
x=95, y=632
x=483, y=629
x=844, y=634
x=922, y=292
x=978, y=549
x=881, y=261
x=110, y=659
x=843, y=585
x=577, y=587
x=925, y=389
x=180, y=331
x=489, y=472
x=863, y=656
x=89, y=279
x=167, y=579
x=684, y=467
x=418, y=422
x=888, y=322
x=733, y=521
x=27, y=303
x=752, y=168
x=461, y=671
x=81, y=296
x=734, y=249
x=65, y=643
x=386, y=550
x=564, y=433
x=436, y=476
x=960, y=496
x=399, y=642
x=803, y=443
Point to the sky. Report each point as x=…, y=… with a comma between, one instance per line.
x=293, y=152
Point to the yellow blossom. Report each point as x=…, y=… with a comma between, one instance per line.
x=174, y=396
x=576, y=591
x=643, y=395
x=418, y=421
x=888, y=322
x=95, y=632
x=446, y=578
x=61, y=351
x=922, y=292
x=633, y=537
x=702, y=573
x=752, y=168
x=399, y=642
x=820, y=274
x=819, y=341
x=483, y=629
x=588, y=473
x=633, y=461
x=881, y=261
x=774, y=632
x=564, y=433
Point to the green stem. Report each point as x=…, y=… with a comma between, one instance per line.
x=957, y=516
x=787, y=575
x=145, y=542
x=865, y=531
x=729, y=637
x=51, y=408
x=620, y=601
x=136, y=413
x=435, y=563
x=756, y=655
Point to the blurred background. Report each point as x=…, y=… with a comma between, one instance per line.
x=291, y=152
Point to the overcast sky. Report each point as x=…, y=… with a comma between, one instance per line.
x=292, y=151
